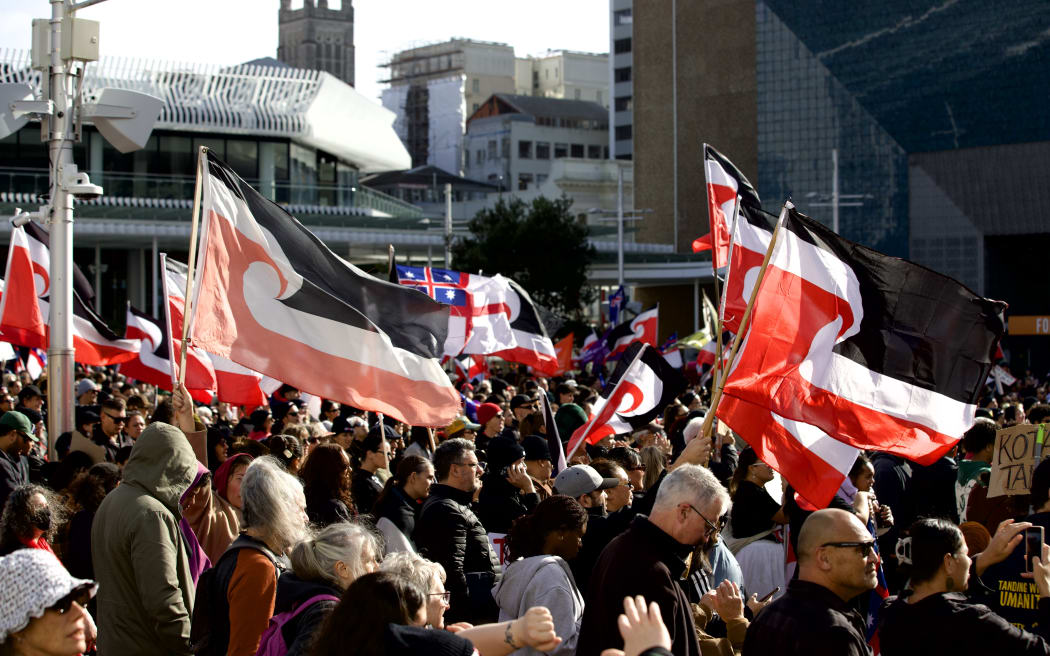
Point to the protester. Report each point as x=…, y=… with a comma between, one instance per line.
x=756, y=517
x=43, y=608
x=631, y=461
x=462, y=427
x=507, y=492
x=16, y=441
x=287, y=450
x=934, y=616
x=649, y=558
x=399, y=503
x=260, y=422
x=619, y=497
x=654, y=459
x=219, y=440
x=238, y=599
x=604, y=526
x=588, y=487
x=539, y=547
x=836, y=562
x=374, y=455
x=322, y=568
x=86, y=493
x=449, y=533
x=490, y=417
x=539, y=465
x=419, y=443
x=326, y=482
x=428, y=575
x=142, y=564
x=136, y=424
x=212, y=506
x=979, y=442
x=31, y=518
x=109, y=431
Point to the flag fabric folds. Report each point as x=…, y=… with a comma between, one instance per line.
x=554, y=443
x=200, y=374
x=639, y=389
x=270, y=296
x=479, y=307
x=563, y=349
x=877, y=352
x=153, y=364
x=616, y=301
x=533, y=346
x=642, y=328
x=24, y=308
x=725, y=183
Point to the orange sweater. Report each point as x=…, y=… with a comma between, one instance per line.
x=251, y=595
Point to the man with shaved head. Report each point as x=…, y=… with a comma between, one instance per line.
x=836, y=562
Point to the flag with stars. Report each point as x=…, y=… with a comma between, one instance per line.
x=479, y=322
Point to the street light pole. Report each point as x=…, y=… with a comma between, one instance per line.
x=619, y=223
x=60, y=146
x=835, y=190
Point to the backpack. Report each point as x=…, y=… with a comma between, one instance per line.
x=210, y=623
x=272, y=641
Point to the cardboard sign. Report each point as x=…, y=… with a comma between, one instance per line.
x=1017, y=451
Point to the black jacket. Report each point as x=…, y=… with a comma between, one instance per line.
x=323, y=510
x=948, y=623
x=365, y=489
x=14, y=472
x=1008, y=593
x=500, y=503
x=448, y=532
x=643, y=561
x=299, y=632
x=809, y=620
x=601, y=530
x=399, y=509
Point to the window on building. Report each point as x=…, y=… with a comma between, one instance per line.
x=540, y=178
x=504, y=148
x=598, y=96
x=492, y=149
x=621, y=46
x=594, y=152
x=624, y=103
x=479, y=157
x=622, y=74
x=577, y=150
x=475, y=85
x=524, y=180
x=525, y=149
x=576, y=94
x=476, y=106
x=243, y=155
x=623, y=132
x=543, y=150
x=561, y=150
x=622, y=17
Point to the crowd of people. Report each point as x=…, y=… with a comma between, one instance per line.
x=163, y=525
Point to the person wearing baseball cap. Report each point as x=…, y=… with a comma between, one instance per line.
x=87, y=392
x=16, y=440
x=583, y=483
x=462, y=427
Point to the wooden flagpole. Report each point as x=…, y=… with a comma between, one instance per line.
x=188, y=311
x=722, y=300
x=716, y=394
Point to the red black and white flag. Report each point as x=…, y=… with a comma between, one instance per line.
x=24, y=308
x=875, y=351
x=270, y=296
x=643, y=328
x=725, y=186
x=153, y=365
x=471, y=368
x=533, y=345
x=641, y=386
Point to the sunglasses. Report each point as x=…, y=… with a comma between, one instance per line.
x=864, y=548
x=116, y=420
x=312, y=440
x=81, y=595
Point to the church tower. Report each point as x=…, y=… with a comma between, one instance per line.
x=317, y=37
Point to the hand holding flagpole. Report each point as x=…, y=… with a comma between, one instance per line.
x=716, y=393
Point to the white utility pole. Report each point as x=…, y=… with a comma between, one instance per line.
x=619, y=224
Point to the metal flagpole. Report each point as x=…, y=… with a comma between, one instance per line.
x=716, y=393
x=192, y=261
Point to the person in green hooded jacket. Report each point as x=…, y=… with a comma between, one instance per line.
x=978, y=442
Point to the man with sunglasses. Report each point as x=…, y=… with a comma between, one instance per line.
x=836, y=562
x=109, y=431
x=648, y=559
x=16, y=440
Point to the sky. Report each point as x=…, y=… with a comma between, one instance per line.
x=231, y=31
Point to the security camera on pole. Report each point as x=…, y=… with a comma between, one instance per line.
x=63, y=46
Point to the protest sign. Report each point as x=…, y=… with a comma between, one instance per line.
x=1017, y=451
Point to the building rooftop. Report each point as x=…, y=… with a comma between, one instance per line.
x=538, y=107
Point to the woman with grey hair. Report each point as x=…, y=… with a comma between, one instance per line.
x=243, y=587
x=322, y=568
x=428, y=575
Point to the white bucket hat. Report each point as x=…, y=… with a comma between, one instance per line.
x=31, y=581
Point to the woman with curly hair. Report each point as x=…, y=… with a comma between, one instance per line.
x=539, y=546
x=85, y=494
x=326, y=483
x=31, y=518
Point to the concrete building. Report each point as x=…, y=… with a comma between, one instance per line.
x=564, y=74
x=621, y=63
x=434, y=88
x=317, y=37
x=935, y=114
x=302, y=138
x=512, y=140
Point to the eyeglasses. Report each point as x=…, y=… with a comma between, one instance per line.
x=81, y=595
x=312, y=440
x=473, y=465
x=864, y=548
x=445, y=596
x=116, y=420
x=711, y=528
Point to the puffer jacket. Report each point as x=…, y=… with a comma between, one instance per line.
x=448, y=532
x=145, y=596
